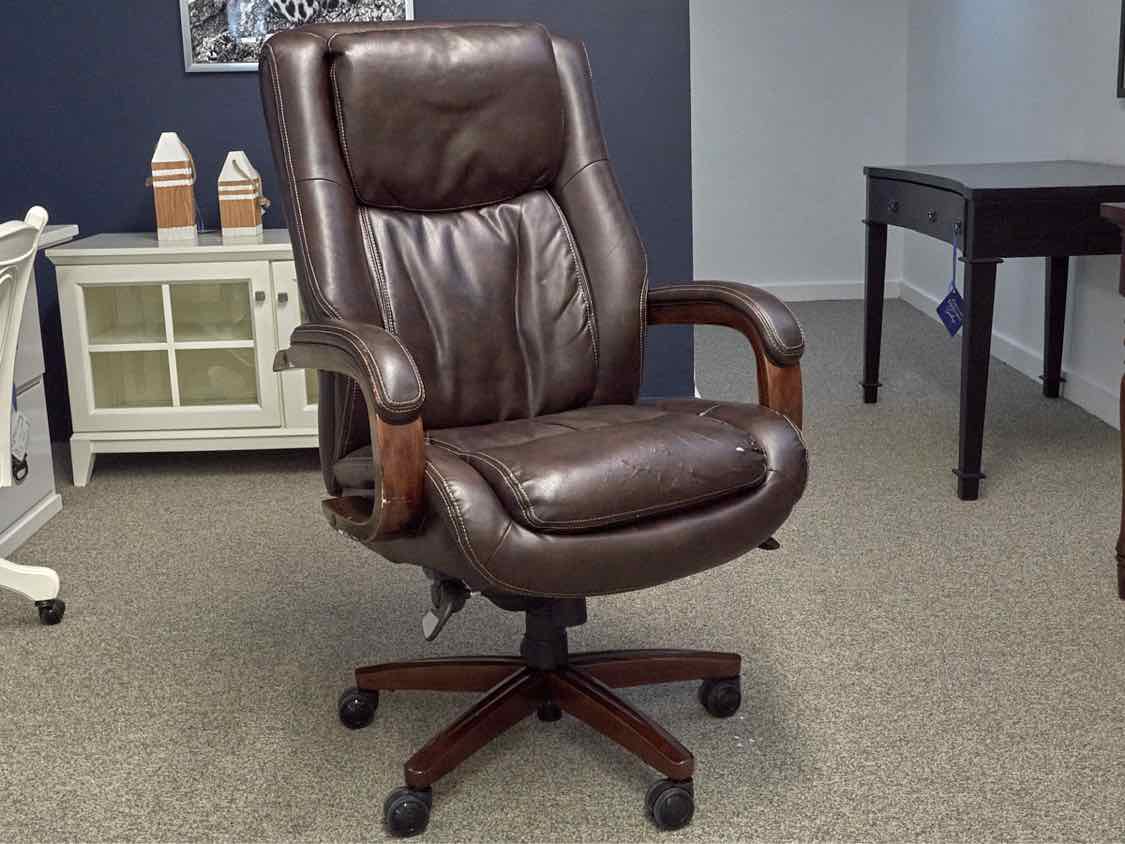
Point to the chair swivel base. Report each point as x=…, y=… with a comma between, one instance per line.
x=578, y=684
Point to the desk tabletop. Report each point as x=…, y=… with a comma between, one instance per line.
x=1075, y=178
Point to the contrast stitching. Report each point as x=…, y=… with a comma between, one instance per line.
x=282, y=125
x=796, y=430
x=644, y=307
x=371, y=364
x=513, y=484
x=516, y=312
x=583, y=283
x=375, y=264
x=459, y=528
x=340, y=115
x=452, y=449
x=529, y=511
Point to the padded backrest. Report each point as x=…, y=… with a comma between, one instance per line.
x=446, y=118
x=450, y=182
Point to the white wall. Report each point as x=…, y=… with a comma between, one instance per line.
x=1020, y=80
x=790, y=98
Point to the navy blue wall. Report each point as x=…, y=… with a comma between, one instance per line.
x=89, y=86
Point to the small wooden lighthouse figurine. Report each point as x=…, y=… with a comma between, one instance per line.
x=240, y=197
x=173, y=189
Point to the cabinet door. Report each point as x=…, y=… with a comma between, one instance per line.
x=299, y=387
x=170, y=346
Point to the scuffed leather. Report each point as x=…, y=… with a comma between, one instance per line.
x=494, y=304
x=530, y=301
x=447, y=118
x=781, y=334
x=364, y=352
x=470, y=534
x=628, y=466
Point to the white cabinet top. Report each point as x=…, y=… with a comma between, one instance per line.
x=144, y=248
x=54, y=235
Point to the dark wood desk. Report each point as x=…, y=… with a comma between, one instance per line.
x=1116, y=214
x=995, y=211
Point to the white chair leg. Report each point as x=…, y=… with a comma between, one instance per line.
x=34, y=582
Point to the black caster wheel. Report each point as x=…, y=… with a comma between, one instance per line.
x=721, y=696
x=406, y=811
x=357, y=708
x=51, y=612
x=549, y=711
x=671, y=803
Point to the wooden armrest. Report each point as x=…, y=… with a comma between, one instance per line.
x=764, y=320
x=393, y=391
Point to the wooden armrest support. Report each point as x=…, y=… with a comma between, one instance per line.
x=741, y=307
x=393, y=406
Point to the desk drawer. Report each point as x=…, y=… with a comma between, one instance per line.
x=921, y=208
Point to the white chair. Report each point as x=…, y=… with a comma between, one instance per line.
x=19, y=242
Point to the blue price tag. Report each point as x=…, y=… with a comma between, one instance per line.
x=951, y=309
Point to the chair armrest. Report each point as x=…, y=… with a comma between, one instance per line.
x=769, y=325
x=392, y=387
x=366, y=352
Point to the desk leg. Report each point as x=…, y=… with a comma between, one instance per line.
x=1054, y=318
x=1121, y=535
x=976, y=350
x=875, y=276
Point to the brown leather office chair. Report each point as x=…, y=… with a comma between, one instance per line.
x=478, y=300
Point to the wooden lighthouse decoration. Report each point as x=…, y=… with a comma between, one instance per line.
x=173, y=189
x=240, y=197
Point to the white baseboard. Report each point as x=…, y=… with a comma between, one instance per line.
x=23, y=528
x=814, y=291
x=1092, y=397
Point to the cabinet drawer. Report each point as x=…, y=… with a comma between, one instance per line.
x=928, y=210
x=40, y=480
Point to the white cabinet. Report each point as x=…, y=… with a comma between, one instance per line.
x=299, y=387
x=170, y=347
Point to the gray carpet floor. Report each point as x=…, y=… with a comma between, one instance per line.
x=916, y=668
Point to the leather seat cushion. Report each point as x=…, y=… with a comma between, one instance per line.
x=597, y=467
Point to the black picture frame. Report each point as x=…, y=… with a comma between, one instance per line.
x=1121, y=56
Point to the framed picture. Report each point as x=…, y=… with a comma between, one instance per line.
x=225, y=35
x=1121, y=55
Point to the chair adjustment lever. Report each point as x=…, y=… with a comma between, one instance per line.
x=447, y=597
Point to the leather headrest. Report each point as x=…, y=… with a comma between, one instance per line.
x=436, y=118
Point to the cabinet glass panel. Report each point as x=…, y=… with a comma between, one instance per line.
x=131, y=379
x=211, y=311
x=217, y=376
x=124, y=313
